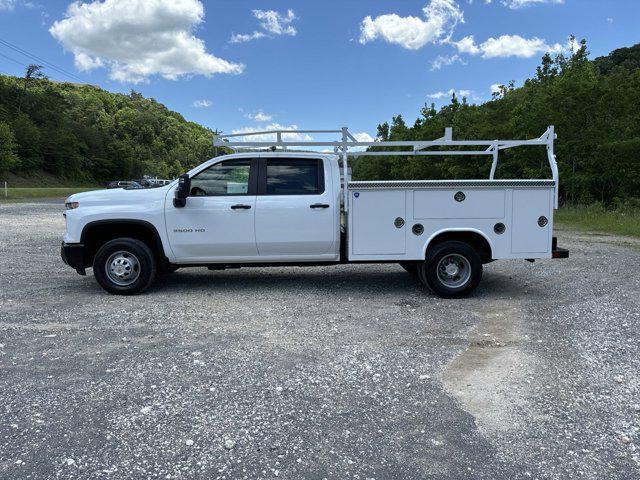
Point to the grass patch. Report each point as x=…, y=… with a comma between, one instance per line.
x=32, y=193
x=624, y=220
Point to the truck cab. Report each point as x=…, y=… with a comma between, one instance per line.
x=279, y=207
x=245, y=208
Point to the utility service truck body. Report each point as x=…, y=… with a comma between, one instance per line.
x=285, y=207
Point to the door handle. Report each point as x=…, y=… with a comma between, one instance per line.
x=320, y=205
x=240, y=207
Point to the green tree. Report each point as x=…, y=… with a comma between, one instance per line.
x=8, y=158
x=32, y=72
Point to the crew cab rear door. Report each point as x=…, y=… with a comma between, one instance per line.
x=217, y=222
x=295, y=209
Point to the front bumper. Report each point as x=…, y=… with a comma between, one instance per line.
x=73, y=255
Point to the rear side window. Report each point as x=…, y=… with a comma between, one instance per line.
x=294, y=177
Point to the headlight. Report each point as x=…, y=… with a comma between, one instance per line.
x=72, y=205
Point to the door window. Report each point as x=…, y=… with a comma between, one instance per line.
x=294, y=177
x=225, y=178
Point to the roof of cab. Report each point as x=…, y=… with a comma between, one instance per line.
x=279, y=154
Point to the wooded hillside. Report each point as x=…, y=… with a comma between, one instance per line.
x=86, y=134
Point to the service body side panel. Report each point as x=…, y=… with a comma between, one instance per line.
x=529, y=205
x=373, y=217
x=435, y=207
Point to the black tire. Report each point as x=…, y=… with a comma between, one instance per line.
x=125, y=249
x=410, y=267
x=463, y=257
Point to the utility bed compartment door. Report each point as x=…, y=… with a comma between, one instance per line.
x=373, y=222
x=528, y=206
x=441, y=203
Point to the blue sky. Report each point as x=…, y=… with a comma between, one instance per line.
x=234, y=65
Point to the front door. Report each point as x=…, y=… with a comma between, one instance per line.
x=295, y=209
x=217, y=222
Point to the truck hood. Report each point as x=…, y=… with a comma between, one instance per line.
x=119, y=196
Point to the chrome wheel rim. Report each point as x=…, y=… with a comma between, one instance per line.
x=122, y=268
x=454, y=270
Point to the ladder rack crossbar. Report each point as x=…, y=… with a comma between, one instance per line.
x=275, y=132
x=502, y=144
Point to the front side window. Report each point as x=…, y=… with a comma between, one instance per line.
x=294, y=177
x=225, y=178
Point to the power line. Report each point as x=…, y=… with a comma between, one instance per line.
x=37, y=58
x=12, y=59
x=42, y=60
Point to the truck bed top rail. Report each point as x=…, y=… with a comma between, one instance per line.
x=347, y=141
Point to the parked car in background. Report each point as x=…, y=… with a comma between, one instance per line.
x=141, y=183
x=153, y=182
x=161, y=182
x=124, y=184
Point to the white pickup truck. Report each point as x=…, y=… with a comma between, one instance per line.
x=285, y=207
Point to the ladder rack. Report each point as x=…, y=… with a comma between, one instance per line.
x=416, y=147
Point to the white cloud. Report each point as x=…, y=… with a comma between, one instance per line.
x=276, y=23
x=467, y=45
x=412, y=33
x=360, y=137
x=496, y=88
x=259, y=116
x=202, y=104
x=507, y=46
x=515, y=4
x=272, y=24
x=7, y=5
x=363, y=137
x=459, y=93
x=443, y=61
x=269, y=137
x=137, y=39
x=246, y=37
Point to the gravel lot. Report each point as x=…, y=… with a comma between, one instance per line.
x=337, y=372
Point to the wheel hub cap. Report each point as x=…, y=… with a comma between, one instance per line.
x=454, y=270
x=122, y=268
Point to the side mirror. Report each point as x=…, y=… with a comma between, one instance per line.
x=182, y=191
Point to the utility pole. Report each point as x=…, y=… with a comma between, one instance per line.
x=216, y=132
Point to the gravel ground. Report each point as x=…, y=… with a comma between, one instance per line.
x=337, y=372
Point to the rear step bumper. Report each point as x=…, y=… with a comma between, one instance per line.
x=556, y=251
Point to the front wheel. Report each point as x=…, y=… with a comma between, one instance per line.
x=124, y=266
x=452, y=269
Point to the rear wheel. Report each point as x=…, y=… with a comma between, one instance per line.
x=124, y=266
x=452, y=269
